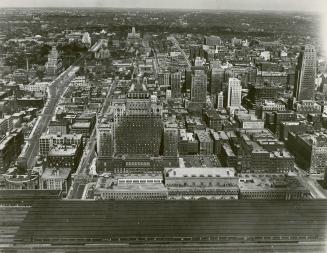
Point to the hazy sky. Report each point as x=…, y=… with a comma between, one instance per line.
x=297, y=5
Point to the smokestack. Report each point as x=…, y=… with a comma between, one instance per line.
x=27, y=67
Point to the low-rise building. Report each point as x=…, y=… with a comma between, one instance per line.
x=310, y=151
x=65, y=156
x=307, y=106
x=205, y=142
x=10, y=148
x=269, y=106
x=201, y=183
x=38, y=87
x=49, y=141
x=83, y=128
x=55, y=179
x=272, y=187
x=187, y=144
x=131, y=187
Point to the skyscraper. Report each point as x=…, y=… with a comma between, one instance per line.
x=170, y=139
x=220, y=100
x=86, y=39
x=133, y=38
x=234, y=94
x=139, y=129
x=217, y=79
x=305, y=74
x=198, y=62
x=175, y=80
x=54, y=64
x=199, y=87
x=163, y=78
x=213, y=40
x=105, y=142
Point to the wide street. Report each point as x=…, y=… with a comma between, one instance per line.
x=55, y=90
x=81, y=176
x=310, y=182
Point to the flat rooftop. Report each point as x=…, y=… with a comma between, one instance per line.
x=109, y=222
x=52, y=173
x=134, y=188
x=201, y=161
x=269, y=182
x=203, y=136
x=200, y=172
x=68, y=136
x=81, y=125
x=63, y=151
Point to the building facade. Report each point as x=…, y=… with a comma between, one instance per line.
x=201, y=183
x=199, y=87
x=305, y=74
x=234, y=93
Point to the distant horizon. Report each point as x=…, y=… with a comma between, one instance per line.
x=174, y=9
x=299, y=6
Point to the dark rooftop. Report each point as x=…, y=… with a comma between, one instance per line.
x=164, y=221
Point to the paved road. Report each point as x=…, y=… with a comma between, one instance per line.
x=311, y=183
x=316, y=247
x=55, y=90
x=81, y=176
x=79, y=192
x=176, y=44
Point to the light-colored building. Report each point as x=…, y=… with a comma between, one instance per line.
x=234, y=94
x=131, y=187
x=86, y=39
x=201, y=183
x=272, y=187
x=305, y=74
x=269, y=106
x=48, y=141
x=220, y=100
x=79, y=81
x=55, y=179
x=307, y=106
x=36, y=87
x=54, y=65
x=133, y=38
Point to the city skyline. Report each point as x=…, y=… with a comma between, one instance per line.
x=274, y=5
x=134, y=129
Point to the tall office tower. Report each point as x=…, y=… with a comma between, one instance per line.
x=215, y=64
x=188, y=79
x=86, y=39
x=105, y=142
x=139, y=129
x=199, y=87
x=133, y=38
x=54, y=65
x=217, y=79
x=234, y=94
x=198, y=62
x=220, y=100
x=212, y=40
x=163, y=78
x=170, y=139
x=305, y=74
x=175, y=81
